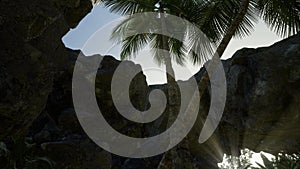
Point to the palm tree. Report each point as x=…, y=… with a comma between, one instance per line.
x=177, y=49
x=131, y=45
x=283, y=17
x=212, y=24
x=220, y=20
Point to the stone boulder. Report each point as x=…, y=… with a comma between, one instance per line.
x=262, y=110
x=31, y=54
x=57, y=132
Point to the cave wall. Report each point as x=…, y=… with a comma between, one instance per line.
x=31, y=55
x=262, y=111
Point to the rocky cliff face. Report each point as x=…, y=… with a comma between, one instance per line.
x=262, y=111
x=263, y=98
x=31, y=55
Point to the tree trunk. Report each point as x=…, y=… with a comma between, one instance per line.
x=172, y=159
x=224, y=43
x=170, y=74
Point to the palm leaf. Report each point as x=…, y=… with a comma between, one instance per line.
x=246, y=27
x=178, y=50
x=281, y=16
x=200, y=48
x=127, y=7
x=133, y=44
x=126, y=33
x=158, y=49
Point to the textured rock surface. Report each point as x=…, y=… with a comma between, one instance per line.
x=31, y=54
x=263, y=99
x=262, y=111
x=58, y=133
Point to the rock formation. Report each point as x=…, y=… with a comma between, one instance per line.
x=262, y=110
x=32, y=53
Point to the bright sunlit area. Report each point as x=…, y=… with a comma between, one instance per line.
x=247, y=159
x=92, y=36
x=150, y=84
x=97, y=26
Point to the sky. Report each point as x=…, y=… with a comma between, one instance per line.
x=92, y=36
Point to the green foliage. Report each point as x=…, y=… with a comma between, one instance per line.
x=241, y=162
x=185, y=9
x=281, y=161
x=283, y=17
x=20, y=156
x=213, y=17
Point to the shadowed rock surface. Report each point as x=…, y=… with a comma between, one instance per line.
x=32, y=53
x=263, y=98
x=262, y=111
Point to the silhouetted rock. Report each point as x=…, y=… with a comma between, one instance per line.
x=31, y=54
x=67, y=136
x=262, y=111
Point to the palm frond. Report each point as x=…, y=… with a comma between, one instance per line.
x=131, y=45
x=178, y=50
x=246, y=27
x=119, y=32
x=216, y=18
x=158, y=49
x=283, y=17
x=200, y=49
x=127, y=7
